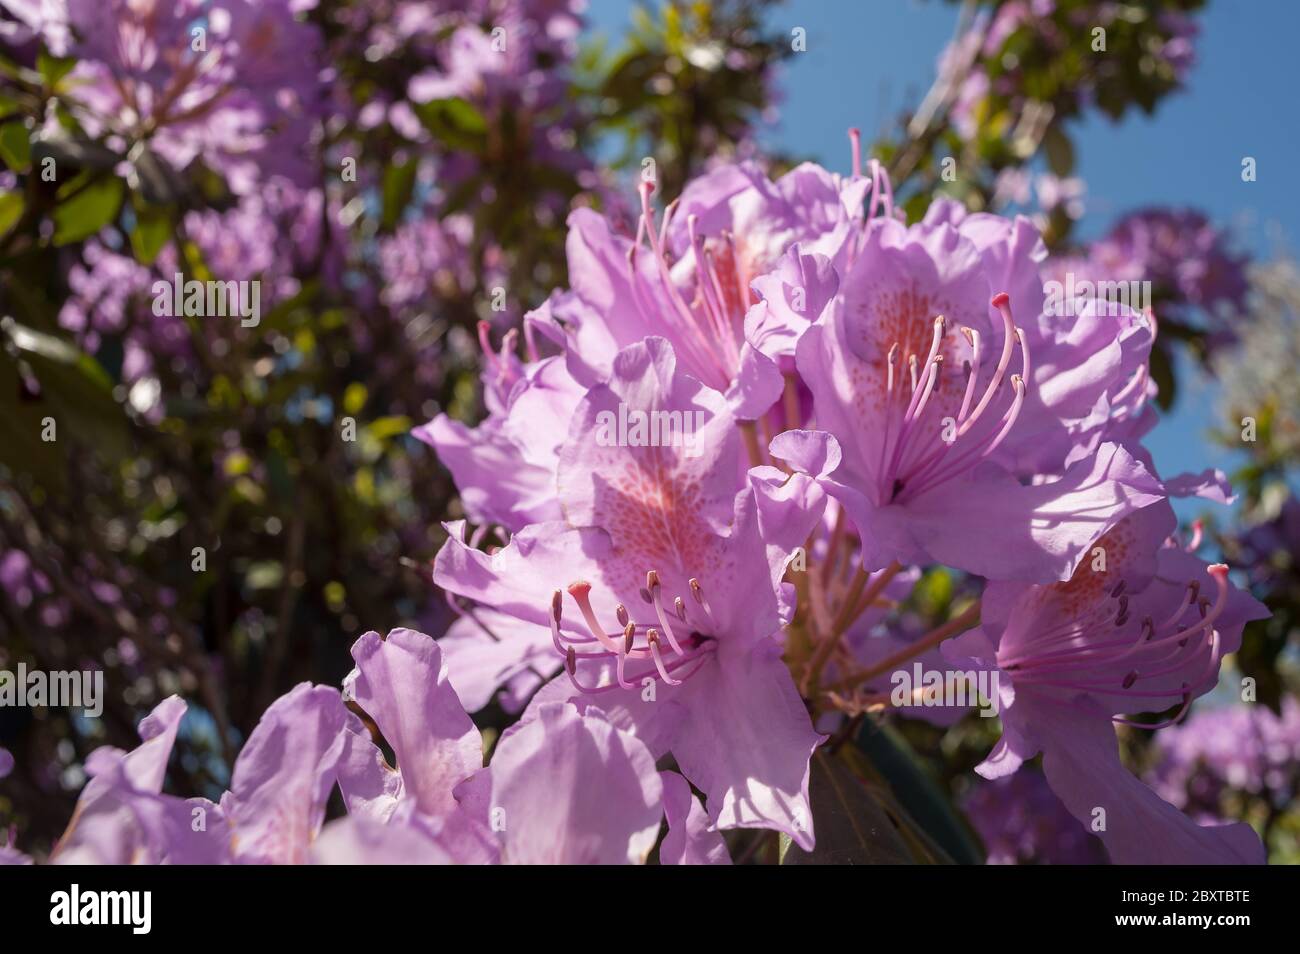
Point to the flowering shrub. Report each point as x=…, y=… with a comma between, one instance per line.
x=723, y=472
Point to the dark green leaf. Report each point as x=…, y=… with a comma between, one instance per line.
x=152, y=229
x=11, y=210
x=399, y=186
x=1162, y=373
x=1060, y=151
x=16, y=146
x=455, y=122
x=87, y=212
x=913, y=787
x=850, y=826
x=54, y=68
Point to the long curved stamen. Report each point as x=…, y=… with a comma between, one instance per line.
x=697, y=591
x=973, y=371
x=926, y=475
x=580, y=590
x=919, y=397
x=617, y=650
x=1173, y=720
x=1190, y=594
x=690, y=338
x=723, y=328
x=680, y=310
x=629, y=635
x=855, y=148
x=652, y=638
x=942, y=463
x=1155, y=654
x=710, y=289
x=485, y=343
x=1018, y=386
x=557, y=606
x=1024, y=355
x=936, y=338
x=652, y=584
x=1000, y=302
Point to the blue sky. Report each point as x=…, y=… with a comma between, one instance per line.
x=869, y=59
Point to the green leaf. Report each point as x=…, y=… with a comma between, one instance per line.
x=850, y=825
x=87, y=212
x=153, y=227
x=16, y=146
x=455, y=122
x=1060, y=151
x=11, y=210
x=386, y=427
x=54, y=68
x=1162, y=373
x=911, y=785
x=399, y=186
x=21, y=447
x=73, y=389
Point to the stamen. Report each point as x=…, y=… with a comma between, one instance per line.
x=485, y=342
x=530, y=340
x=557, y=602
x=580, y=590
x=629, y=636
x=1161, y=655
x=1000, y=302
x=653, y=638
x=652, y=584
x=1173, y=720
x=973, y=371
x=936, y=338
x=680, y=312
x=1190, y=595
x=710, y=288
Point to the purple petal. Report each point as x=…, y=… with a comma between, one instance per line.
x=1082, y=765
x=284, y=774
x=401, y=682
x=746, y=742
x=689, y=841
x=573, y=789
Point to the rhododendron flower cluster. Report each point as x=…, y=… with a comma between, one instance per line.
x=760, y=465
x=875, y=397
x=234, y=82
x=817, y=403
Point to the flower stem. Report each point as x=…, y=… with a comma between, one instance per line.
x=958, y=624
